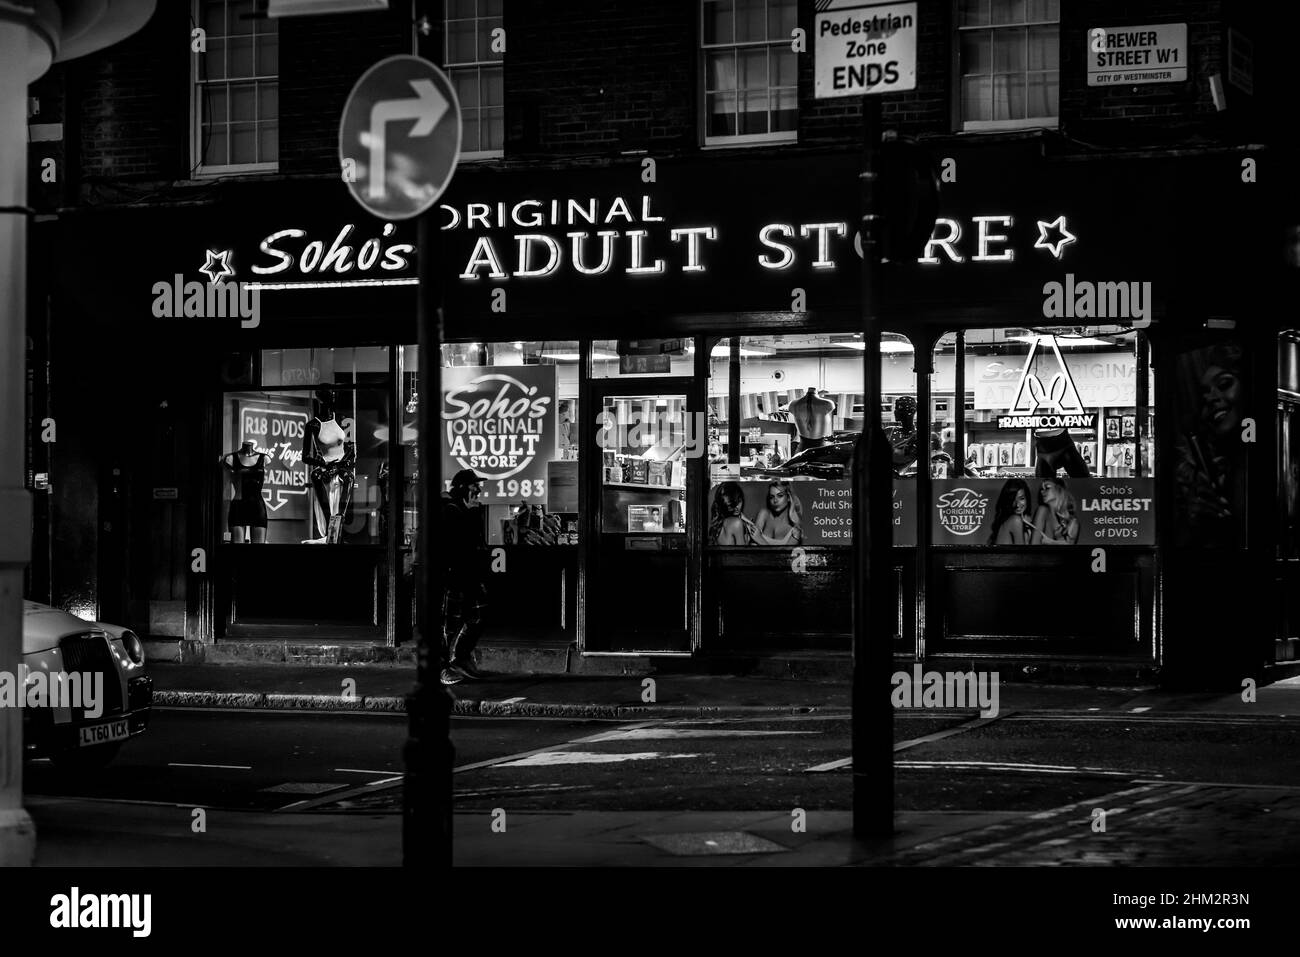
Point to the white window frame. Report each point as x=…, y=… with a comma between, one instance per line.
x=453, y=68
x=199, y=170
x=782, y=137
x=980, y=126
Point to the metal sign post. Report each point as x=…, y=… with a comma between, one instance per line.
x=399, y=144
x=873, y=624
x=865, y=48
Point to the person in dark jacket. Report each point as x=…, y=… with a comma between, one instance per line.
x=464, y=597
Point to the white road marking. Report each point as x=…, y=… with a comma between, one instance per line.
x=830, y=766
x=550, y=759
x=361, y=771
x=657, y=734
x=507, y=701
x=1139, y=710
x=1026, y=768
x=220, y=767
x=492, y=762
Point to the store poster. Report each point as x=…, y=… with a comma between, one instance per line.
x=501, y=422
x=1064, y=511
x=275, y=426
x=1211, y=465
x=800, y=512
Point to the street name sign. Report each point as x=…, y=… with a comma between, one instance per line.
x=399, y=137
x=864, y=48
x=1155, y=53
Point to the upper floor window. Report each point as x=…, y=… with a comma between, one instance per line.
x=236, y=96
x=1010, y=63
x=751, y=90
x=476, y=70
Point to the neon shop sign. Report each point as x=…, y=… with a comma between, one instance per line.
x=595, y=236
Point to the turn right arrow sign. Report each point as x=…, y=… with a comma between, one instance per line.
x=397, y=151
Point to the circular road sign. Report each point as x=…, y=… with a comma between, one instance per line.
x=399, y=137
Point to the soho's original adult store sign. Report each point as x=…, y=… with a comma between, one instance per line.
x=593, y=236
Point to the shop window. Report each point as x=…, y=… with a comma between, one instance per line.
x=305, y=466
x=1055, y=433
x=236, y=107
x=1009, y=63
x=347, y=366
x=621, y=358
x=781, y=447
x=750, y=76
x=510, y=413
x=476, y=70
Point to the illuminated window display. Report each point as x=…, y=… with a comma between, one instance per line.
x=308, y=466
x=1056, y=437
x=510, y=414
x=782, y=477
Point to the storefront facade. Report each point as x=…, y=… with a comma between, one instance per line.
x=659, y=371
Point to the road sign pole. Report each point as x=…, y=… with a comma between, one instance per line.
x=873, y=624
x=401, y=127
x=427, y=802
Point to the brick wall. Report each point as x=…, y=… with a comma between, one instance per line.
x=320, y=60
x=581, y=77
x=134, y=104
x=600, y=76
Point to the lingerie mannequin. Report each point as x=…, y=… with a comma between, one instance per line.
x=1054, y=449
x=246, y=517
x=333, y=469
x=812, y=418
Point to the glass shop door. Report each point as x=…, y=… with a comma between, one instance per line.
x=639, y=586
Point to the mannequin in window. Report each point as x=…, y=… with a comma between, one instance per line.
x=1054, y=449
x=246, y=517
x=813, y=418
x=903, y=439
x=333, y=469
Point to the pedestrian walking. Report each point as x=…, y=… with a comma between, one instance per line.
x=464, y=597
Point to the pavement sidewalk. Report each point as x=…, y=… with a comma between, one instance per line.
x=379, y=688
x=1150, y=823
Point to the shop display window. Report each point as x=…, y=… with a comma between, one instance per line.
x=780, y=449
x=510, y=413
x=305, y=466
x=626, y=358
x=346, y=366
x=1056, y=437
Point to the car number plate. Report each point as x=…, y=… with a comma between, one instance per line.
x=102, y=733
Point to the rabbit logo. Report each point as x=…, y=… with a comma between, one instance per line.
x=1060, y=397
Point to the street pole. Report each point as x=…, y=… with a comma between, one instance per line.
x=873, y=624
x=427, y=798
x=19, y=47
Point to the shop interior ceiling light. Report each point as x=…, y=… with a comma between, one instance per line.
x=1067, y=341
x=574, y=357
x=302, y=8
x=887, y=345
x=723, y=351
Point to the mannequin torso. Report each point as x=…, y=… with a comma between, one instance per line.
x=813, y=418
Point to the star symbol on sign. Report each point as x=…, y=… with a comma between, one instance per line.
x=1056, y=246
x=218, y=266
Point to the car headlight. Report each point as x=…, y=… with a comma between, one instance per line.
x=134, y=647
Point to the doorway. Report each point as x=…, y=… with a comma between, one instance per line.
x=644, y=501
